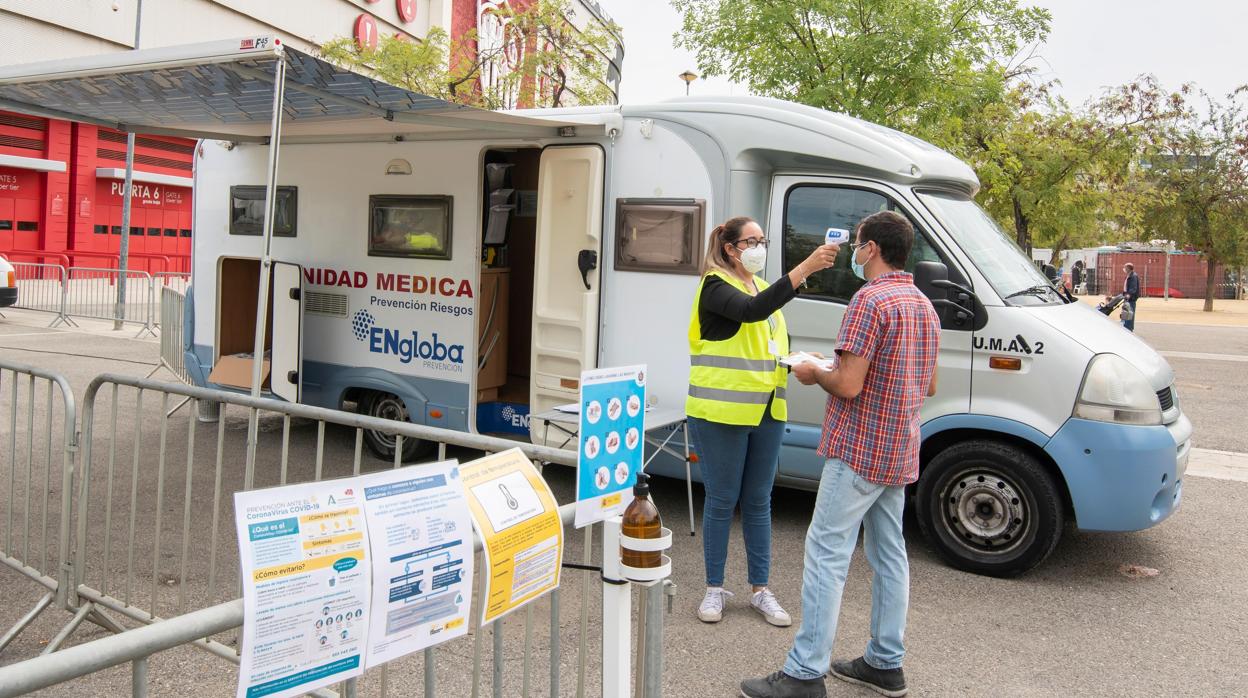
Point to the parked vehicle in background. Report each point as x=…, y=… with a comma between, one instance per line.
x=8, y=284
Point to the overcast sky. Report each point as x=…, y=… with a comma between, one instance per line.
x=1094, y=44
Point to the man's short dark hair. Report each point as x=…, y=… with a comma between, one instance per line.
x=892, y=232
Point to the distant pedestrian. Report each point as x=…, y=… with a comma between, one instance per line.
x=886, y=367
x=1131, y=290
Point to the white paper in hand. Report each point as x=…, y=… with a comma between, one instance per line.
x=803, y=357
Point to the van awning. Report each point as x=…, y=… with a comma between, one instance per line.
x=251, y=90
x=224, y=90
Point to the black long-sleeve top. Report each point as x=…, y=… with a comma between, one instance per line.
x=722, y=308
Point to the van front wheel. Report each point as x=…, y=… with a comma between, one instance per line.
x=381, y=444
x=989, y=508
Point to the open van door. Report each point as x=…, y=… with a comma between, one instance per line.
x=565, y=274
x=287, y=359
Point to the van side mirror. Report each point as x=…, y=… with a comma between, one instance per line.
x=958, y=307
x=926, y=274
x=1050, y=273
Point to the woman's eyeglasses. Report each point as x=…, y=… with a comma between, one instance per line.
x=750, y=243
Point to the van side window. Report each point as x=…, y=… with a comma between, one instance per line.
x=409, y=226
x=659, y=235
x=247, y=210
x=809, y=210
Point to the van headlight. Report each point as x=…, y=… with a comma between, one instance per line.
x=1115, y=391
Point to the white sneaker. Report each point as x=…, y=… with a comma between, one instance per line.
x=712, y=608
x=765, y=603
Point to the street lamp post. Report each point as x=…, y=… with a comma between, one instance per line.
x=127, y=199
x=688, y=76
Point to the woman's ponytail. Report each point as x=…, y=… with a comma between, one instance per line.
x=725, y=233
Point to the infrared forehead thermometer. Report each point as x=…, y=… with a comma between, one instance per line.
x=836, y=236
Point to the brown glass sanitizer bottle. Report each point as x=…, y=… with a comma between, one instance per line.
x=641, y=520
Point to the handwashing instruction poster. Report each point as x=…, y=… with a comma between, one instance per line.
x=612, y=441
x=343, y=575
x=305, y=571
x=420, y=534
x=518, y=519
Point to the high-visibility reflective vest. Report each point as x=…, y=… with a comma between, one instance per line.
x=732, y=380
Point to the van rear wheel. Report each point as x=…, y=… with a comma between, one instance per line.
x=381, y=444
x=989, y=508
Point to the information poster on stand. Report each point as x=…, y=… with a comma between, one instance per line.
x=420, y=535
x=518, y=519
x=305, y=560
x=612, y=438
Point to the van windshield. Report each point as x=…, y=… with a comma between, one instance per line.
x=994, y=252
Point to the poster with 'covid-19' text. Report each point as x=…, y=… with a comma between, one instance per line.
x=305, y=560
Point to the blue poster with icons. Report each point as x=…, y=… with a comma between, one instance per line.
x=612, y=441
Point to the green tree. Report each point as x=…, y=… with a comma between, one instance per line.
x=530, y=56
x=561, y=64
x=1059, y=177
x=958, y=73
x=902, y=63
x=420, y=66
x=1197, y=164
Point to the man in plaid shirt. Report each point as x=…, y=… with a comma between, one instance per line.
x=886, y=366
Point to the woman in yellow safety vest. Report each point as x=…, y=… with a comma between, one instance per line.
x=736, y=405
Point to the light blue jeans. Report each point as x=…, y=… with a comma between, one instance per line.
x=738, y=466
x=845, y=503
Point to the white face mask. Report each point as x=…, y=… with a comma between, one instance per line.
x=754, y=259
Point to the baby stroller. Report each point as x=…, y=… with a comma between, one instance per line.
x=1108, y=305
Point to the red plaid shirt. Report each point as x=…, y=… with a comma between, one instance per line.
x=892, y=325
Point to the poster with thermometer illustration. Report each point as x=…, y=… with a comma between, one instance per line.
x=522, y=535
x=612, y=441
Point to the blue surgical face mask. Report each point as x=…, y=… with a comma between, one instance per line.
x=860, y=270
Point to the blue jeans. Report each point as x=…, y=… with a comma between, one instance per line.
x=845, y=503
x=1130, y=324
x=738, y=466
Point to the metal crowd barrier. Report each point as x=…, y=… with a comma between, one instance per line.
x=41, y=287
x=134, y=646
x=143, y=556
x=37, y=412
x=177, y=280
x=172, y=332
x=92, y=293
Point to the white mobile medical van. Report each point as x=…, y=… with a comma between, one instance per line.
x=428, y=281
x=461, y=268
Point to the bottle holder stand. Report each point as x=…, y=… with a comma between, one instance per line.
x=648, y=576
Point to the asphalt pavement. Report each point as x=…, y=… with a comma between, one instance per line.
x=1157, y=612
x=1211, y=376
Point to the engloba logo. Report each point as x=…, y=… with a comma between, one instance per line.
x=403, y=344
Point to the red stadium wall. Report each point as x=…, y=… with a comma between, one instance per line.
x=77, y=212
